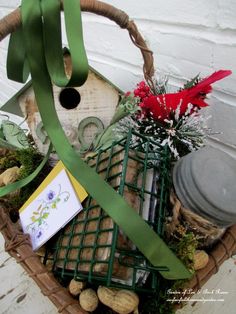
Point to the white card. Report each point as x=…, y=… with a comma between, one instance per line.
x=51, y=210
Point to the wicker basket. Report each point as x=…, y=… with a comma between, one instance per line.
x=18, y=244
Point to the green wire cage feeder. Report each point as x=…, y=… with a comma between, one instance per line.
x=92, y=247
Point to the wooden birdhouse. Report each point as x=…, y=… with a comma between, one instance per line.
x=83, y=111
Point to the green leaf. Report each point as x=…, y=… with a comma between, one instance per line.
x=14, y=135
x=45, y=215
x=120, y=113
x=1, y=133
x=33, y=218
x=192, y=82
x=105, y=139
x=5, y=144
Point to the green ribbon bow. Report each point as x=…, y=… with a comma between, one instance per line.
x=40, y=36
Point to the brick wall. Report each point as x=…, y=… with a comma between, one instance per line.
x=187, y=37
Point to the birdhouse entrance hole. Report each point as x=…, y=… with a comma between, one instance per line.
x=69, y=98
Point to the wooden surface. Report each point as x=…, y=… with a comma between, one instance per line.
x=19, y=294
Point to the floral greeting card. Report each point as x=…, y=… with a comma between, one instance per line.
x=51, y=209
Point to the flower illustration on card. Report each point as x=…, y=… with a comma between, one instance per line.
x=39, y=216
x=51, y=206
x=50, y=196
x=53, y=197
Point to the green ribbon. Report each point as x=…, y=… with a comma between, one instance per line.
x=41, y=28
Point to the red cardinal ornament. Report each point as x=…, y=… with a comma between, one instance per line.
x=162, y=105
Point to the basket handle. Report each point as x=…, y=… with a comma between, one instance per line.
x=123, y=20
x=12, y=21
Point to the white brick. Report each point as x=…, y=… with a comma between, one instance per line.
x=183, y=48
x=198, y=12
x=111, y=41
x=224, y=57
x=180, y=68
x=222, y=121
x=10, y=3
x=226, y=14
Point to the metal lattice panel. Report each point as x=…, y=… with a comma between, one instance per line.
x=92, y=246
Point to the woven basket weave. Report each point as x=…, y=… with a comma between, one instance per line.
x=18, y=244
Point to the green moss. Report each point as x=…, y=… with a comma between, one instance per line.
x=184, y=245
x=9, y=161
x=28, y=160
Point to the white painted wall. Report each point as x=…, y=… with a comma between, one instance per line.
x=187, y=37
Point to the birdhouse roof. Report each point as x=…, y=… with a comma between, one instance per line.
x=10, y=105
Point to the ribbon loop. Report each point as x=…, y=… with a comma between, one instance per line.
x=53, y=42
x=16, y=59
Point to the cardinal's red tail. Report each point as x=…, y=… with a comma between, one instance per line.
x=216, y=76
